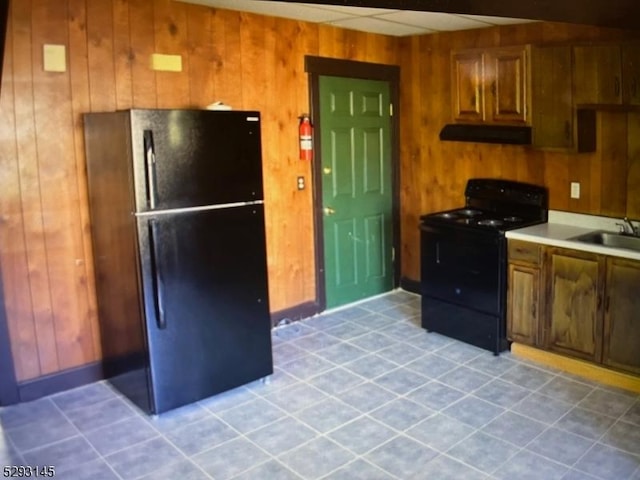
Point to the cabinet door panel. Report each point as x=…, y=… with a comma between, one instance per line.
x=631, y=73
x=575, y=304
x=598, y=74
x=506, y=80
x=552, y=97
x=523, y=306
x=622, y=315
x=468, y=94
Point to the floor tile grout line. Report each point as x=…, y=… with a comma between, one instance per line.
x=81, y=434
x=309, y=381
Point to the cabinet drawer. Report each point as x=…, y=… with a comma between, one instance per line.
x=526, y=252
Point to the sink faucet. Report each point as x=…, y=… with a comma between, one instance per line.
x=628, y=228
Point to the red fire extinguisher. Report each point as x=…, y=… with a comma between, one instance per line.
x=305, y=134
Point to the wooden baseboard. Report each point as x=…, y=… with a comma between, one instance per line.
x=298, y=312
x=581, y=368
x=410, y=285
x=60, y=381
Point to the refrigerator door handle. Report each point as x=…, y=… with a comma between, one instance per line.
x=150, y=161
x=156, y=274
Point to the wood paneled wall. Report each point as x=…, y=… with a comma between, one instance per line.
x=434, y=173
x=247, y=61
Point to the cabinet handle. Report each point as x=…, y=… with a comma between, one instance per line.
x=493, y=89
x=616, y=86
x=606, y=304
x=567, y=130
x=533, y=310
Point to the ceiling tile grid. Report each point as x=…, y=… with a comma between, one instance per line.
x=374, y=20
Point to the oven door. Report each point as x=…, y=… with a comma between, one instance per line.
x=463, y=266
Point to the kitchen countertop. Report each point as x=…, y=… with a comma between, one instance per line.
x=562, y=226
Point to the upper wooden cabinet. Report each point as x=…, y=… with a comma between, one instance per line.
x=607, y=74
x=631, y=73
x=557, y=124
x=467, y=70
x=491, y=85
x=552, y=109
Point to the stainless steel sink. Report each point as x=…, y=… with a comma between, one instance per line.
x=610, y=239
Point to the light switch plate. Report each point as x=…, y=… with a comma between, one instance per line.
x=54, y=58
x=575, y=190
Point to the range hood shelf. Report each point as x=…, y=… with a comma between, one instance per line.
x=502, y=134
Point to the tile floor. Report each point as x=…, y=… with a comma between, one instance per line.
x=360, y=393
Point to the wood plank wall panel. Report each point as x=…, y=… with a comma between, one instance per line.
x=58, y=187
x=15, y=269
x=442, y=168
x=122, y=54
x=31, y=198
x=141, y=33
x=249, y=62
x=245, y=60
x=81, y=102
x=200, y=51
x=172, y=88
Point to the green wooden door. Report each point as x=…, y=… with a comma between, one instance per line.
x=355, y=135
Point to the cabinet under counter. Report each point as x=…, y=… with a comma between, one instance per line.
x=575, y=310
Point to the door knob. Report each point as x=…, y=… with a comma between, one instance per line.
x=328, y=211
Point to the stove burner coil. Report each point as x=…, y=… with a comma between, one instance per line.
x=490, y=222
x=469, y=212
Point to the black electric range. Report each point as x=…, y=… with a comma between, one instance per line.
x=464, y=259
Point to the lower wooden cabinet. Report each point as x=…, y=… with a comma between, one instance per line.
x=575, y=303
x=523, y=293
x=621, y=346
x=573, y=324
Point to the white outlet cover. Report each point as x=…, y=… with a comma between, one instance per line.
x=575, y=190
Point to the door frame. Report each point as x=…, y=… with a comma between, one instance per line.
x=319, y=66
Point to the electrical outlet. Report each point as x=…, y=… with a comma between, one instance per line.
x=575, y=190
x=301, y=183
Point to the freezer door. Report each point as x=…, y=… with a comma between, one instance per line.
x=186, y=158
x=206, y=302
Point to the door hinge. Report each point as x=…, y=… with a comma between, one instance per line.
x=391, y=109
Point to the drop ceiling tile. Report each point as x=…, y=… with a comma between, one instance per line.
x=296, y=11
x=355, y=11
x=497, y=20
x=433, y=20
x=375, y=25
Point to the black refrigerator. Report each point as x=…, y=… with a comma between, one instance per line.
x=178, y=230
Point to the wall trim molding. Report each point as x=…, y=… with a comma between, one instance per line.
x=582, y=368
x=60, y=381
x=295, y=313
x=9, y=393
x=410, y=285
